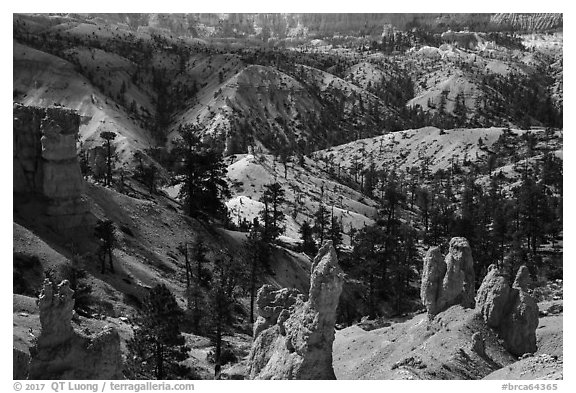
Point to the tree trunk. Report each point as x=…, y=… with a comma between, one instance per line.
x=217, y=355
x=252, y=290
x=109, y=162
x=371, y=296
x=199, y=269
x=159, y=361
x=110, y=259
x=190, y=194
x=196, y=312
x=102, y=258
x=274, y=214
x=187, y=264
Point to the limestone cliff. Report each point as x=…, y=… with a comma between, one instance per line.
x=293, y=338
x=46, y=172
x=63, y=353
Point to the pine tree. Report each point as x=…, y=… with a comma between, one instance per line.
x=108, y=137
x=183, y=249
x=321, y=226
x=204, y=172
x=285, y=159
x=308, y=246
x=147, y=174
x=198, y=279
x=105, y=233
x=229, y=274
x=466, y=225
x=80, y=284
x=335, y=232
x=403, y=262
x=272, y=215
x=392, y=196
x=85, y=168
x=442, y=105
x=199, y=257
x=123, y=88
x=533, y=212
x=370, y=180
x=158, y=346
x=460, y=110
x=368, y=254
x=258, y=253
x=551, y=171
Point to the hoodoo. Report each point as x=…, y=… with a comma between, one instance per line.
x=46, y=174
x=293, y=337
x=448, y=281
x=510, y=310
x=64, y=353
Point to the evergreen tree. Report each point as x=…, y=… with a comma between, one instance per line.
x=500, y=229
x=84, y=164
x=229, y=274
x=466, y=224
x=392, y=196
x=285, y=159
x=306, y=235
x=460, y=110
x=123, y=88
x=80, y=284
x=108, y=137
x=198, y=279
x=423, y=200
x=158, y=346
x=368, y=254
x=105, y=233
x=370, y=180
x=183, y=249
x=335, y=232
x=199, y=257
x=442, y=104
x=552, y=172
x=204, y=185
x=404, y=261
x=272, y=215
x=146, y=174
x=533, y=212
x=258, y=253
x=442, y=220
x=321, y=226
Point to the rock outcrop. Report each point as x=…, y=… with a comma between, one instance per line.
x=493, y=296
x=46, y=169
x=478, y=344
x=293, y=338
x=510, y=310
x=528, y=22
x=271, y=303
x=448, y=281
x=63, y=353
